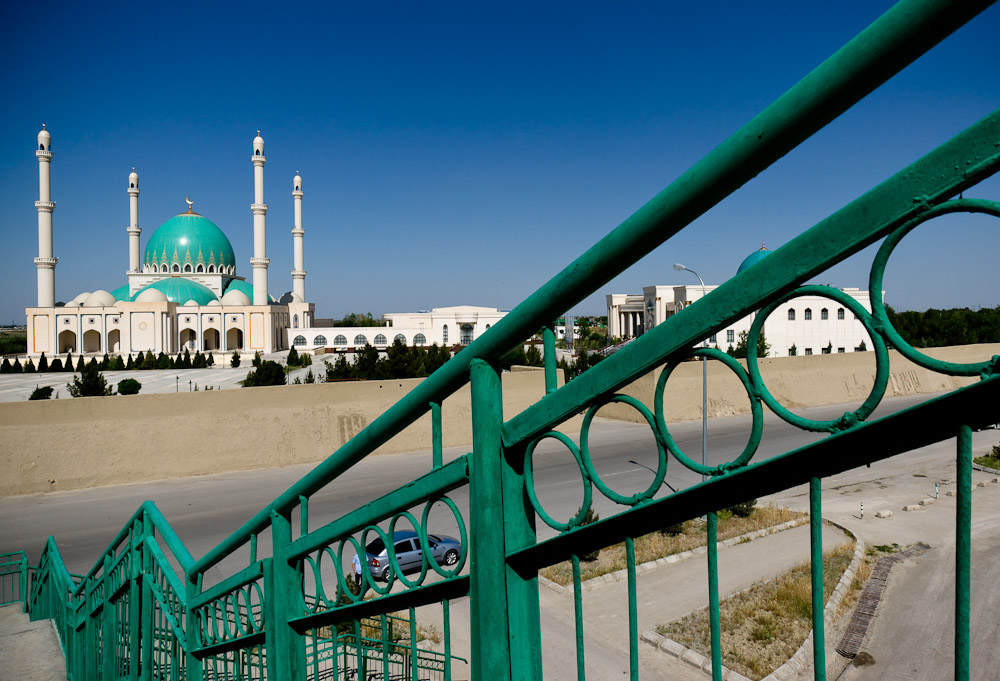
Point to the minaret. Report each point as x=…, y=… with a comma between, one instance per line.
x=45, y=262
x=298, y=273
x=259, y=260
x=133, y=222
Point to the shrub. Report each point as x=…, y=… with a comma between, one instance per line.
x=310, y=377
x=293, y=358
x=235, y=361
x=43, y=393
x=590, y=517
x=268, y=373
x=5, y=366
x=90, y=382
x=43, y=363
x=210, y=361
x=56, y=365
x=16, y=367
x=68, y=363
x=117, y=364
x=743, y=510
x=129, y=386
x=29, y=366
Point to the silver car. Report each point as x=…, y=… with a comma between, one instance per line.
x=445, y=550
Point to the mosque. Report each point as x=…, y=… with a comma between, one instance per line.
x=183, y=292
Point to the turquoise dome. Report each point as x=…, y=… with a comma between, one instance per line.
x=121, y=293
x=240, y=285
x=189, y=238
x=753, y=259
x=180, y=290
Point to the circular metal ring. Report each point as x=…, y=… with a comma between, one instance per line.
x=422, y=536
x=338, y=569
x=881, y=363
x=322, y=598
x=366, y=574
x=878, y=272
x=243, y=622
x=756, y=412
x=661, y=464
x=229, y=623
x=529, y=482
x=462, y=534
x=256, y=616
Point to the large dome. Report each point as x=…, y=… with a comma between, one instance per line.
x=753, y=259
x=189, y=239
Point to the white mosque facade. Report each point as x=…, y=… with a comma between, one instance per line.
x=183, y=292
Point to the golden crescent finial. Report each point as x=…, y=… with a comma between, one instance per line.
x=189, y=203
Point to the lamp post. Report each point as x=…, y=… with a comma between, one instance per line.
x=704, y=379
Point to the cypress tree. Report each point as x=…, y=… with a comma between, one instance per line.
x=43, y=364
x=5, y=366
x=16, y=367
x=130, y=365
x=80, y=364
x=29, y=366
x=56, y=365
x=68, y=363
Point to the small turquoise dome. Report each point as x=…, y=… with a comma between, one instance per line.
x=121, y=293
x=246, y=288
x=189, y=238
x=180, y=290
x=753, y=259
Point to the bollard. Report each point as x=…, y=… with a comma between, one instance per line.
x=937, y=492
x=862, y=510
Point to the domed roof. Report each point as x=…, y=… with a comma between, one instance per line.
x=121, y=293
x=100, y=298
x=180, y=290
x=189, y=238
x=150, y=295
x=753, y=259
x=243, y=287
x=234, y=296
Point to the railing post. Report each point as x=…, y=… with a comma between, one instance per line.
x=146, y=592
x=549, y=360
x=286, y=648
x=816, y=570
x=136, y=601
x=22, y=582
x=107, y=624
x=506, y=636
x=963, y=553
x=436, y=442
x=193, y=669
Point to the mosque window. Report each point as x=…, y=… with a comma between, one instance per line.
x=809, y=351
x=840, y=313
x=730, y=335
x=360, y=340
x=257, y=152
x=320, y=340
x=444, y=334
x=465, y=336
x=420, y=340
x=340, y=340
x=295, y=321
x=187, y=268
x=824, y=314
x=713, y=339
x=808, y=316
x=163, y=267
x=791, y=314
x=131, y=185
x=177, y=268
x=401, y=338
x=42, y=147
x=211, y=269
x=299, y=340
x=487, y=327
x=380, y=340
x=200, y=268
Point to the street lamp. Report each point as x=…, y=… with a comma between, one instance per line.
x=704, y=379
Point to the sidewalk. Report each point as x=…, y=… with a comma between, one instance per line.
x=30, y=650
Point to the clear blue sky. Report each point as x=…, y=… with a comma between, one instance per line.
x=460, y=153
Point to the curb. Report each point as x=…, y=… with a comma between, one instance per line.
x=798, y=660
x=621, y=575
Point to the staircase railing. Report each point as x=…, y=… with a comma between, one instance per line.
x=286, y=585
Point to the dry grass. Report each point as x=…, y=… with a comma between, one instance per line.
x=763, y=626
x=659, y=545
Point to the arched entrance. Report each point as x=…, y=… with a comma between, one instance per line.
x=189, y=339
x=92, y=341
x=211, y=339
x=67, y=342
x=234, y=339
x=114, y=340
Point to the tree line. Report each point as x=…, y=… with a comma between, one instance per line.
x=139, y=362
x=957, y=326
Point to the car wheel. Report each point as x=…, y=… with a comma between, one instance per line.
x=451, y=557
x=386, y=574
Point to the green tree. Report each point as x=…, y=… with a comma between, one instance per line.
x=235, y=361
x=199, y=361
x=80, y=364
x=16, y=367
x=763, y=348
x=117, y=364
x=293, y=357
x=310, y=377
x=130, y=365
x=793, y=351
x=29, y=366
x=256, y=360
x=105, y=362
x=210, y=360
x=163, y=361
x=268, y=373
x=366, y=362
x=56, y=365
x=68, y=363
x=43, y=364
x=340, y=369
x=43, y=393
x=5, y=366
x=129, y=386
x=90, y=382
x=533, y=357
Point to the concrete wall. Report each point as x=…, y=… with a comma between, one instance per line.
x=796, y=382
x=88, y=442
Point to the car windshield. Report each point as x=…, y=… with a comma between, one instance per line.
x=375, y=547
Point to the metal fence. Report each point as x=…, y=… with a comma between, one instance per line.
x=13, y=578
x=146, y=615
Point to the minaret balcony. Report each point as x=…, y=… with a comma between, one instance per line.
x=259, y=160
x=258, y=208
x=134, y=230
x=45, y=206
x=298, y=274
x=260, y=262
x=43, y=155
x=298, y=232
x=46, y=263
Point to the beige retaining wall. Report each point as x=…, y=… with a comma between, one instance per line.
x=87, y=442
x=796, y=382
x=69, y=444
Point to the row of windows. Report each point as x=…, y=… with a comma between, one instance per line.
x=200, y=269
x=808, y=314
x=341, y=340
x=826, y=351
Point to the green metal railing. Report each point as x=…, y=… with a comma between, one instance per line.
x=13, y=578
x=143, y=614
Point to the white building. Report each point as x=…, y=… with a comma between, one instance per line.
x=807, y=325
x=182, y=292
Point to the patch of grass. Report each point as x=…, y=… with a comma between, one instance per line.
x=661, y=544
x=763, y=626
x=990, y=461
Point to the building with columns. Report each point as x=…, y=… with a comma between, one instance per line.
x=183, y=292
x=806, y=325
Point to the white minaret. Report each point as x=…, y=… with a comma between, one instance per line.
x=299, y=273
x=133, y=222
x=259, y=260
x=45, y=262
